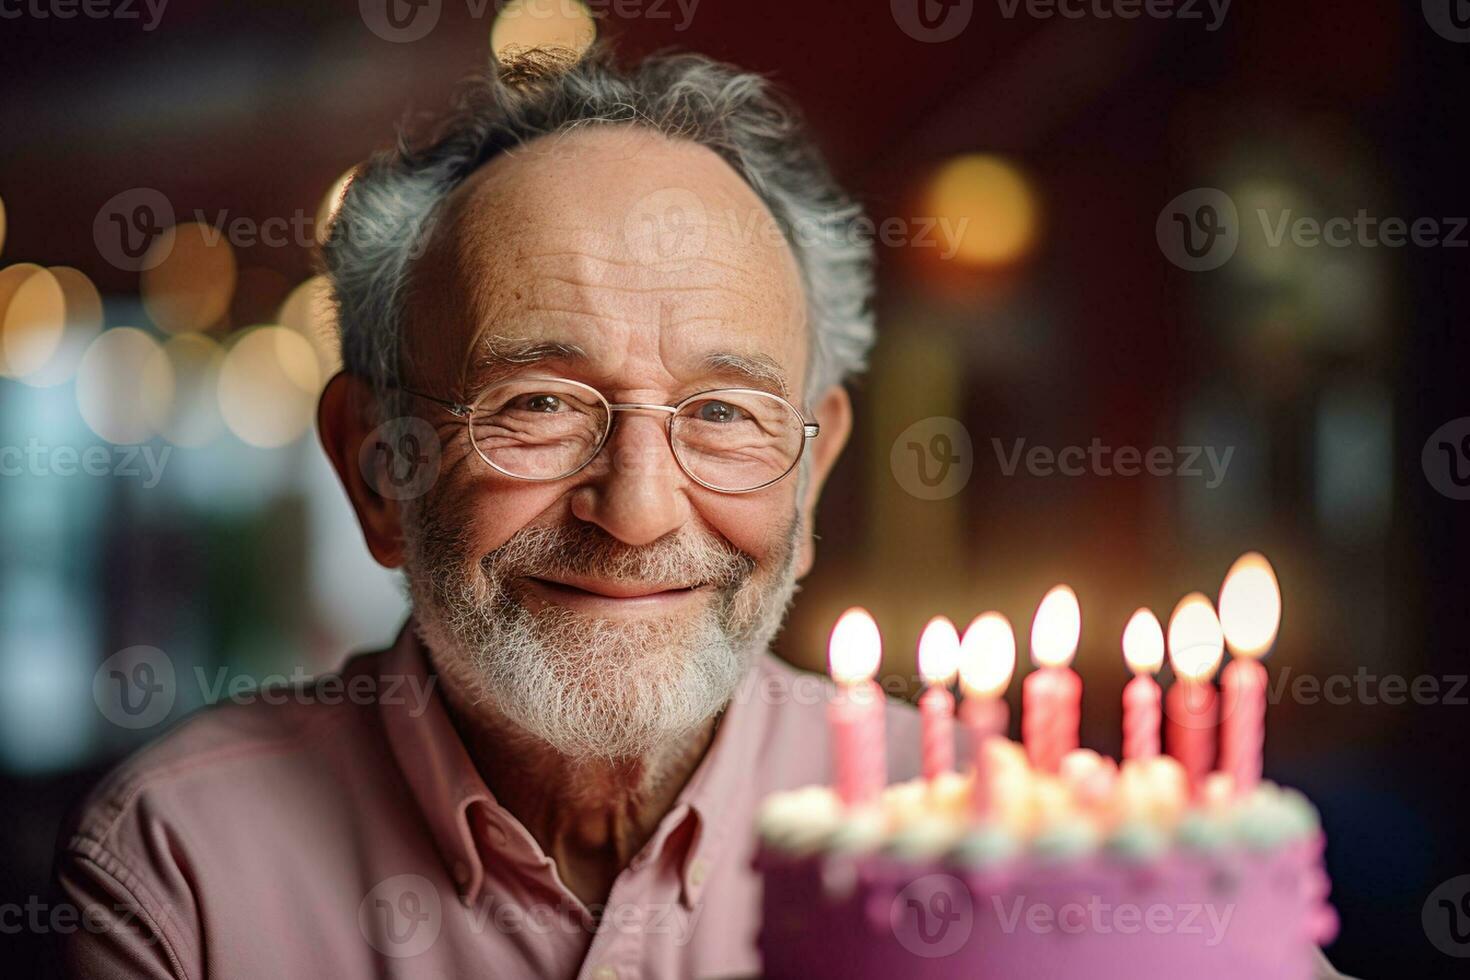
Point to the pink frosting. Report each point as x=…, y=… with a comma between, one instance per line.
x=1236, y=914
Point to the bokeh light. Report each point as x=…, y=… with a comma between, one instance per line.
x=181, y=388
x=111, y=381
x=310, y=312
x=525, y=24
x=11, y=277
x=1275, y=199
x=32, y=322
x=83, y=321
x=268, y=386
x=191, y=286
x=991, y=206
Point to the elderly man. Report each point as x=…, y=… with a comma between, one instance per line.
x=609, y=313
x=595, y=332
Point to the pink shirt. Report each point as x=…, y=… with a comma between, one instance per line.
x=346, y=833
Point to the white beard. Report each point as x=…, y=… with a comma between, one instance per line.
x=594, y=688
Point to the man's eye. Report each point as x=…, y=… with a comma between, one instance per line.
x=718, y=412
x=541, y=403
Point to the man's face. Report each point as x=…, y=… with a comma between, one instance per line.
x=620, y=606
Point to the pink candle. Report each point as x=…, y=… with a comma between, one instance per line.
x=1243, y=726
x=1142, y=714
x=939, y=654
x=1051, y=697
x=1196, y=644
x=987, y=661
x=1250, y=615
x=1193, y=713
x=1051, y=700
x=936, y=718
x=985, y=720
x=1143, y=649
x=859, y=767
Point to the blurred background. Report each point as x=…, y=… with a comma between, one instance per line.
x=1095, y=238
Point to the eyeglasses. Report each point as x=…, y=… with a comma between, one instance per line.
x=732, y=440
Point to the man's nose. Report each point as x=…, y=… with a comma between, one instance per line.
x=636, y=490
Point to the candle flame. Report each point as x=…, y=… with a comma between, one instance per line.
x=987, y=656
x=1196, y=641
x=1056, y=629
x=1143, y=643
x=855, y=647
x=939, y=651
x=1250, y=606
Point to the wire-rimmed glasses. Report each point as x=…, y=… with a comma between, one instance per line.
x=732, y=440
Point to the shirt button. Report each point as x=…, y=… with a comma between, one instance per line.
x=605, y=973
x=698, y=871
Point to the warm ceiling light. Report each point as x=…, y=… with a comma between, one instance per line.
x=988, y=205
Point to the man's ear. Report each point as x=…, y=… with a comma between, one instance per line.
x=344, y=418
x=834, y=414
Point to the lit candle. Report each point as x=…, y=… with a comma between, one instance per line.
x=1051, y=697
x=856, y=713
x=987, y=661
x=1143, y=649
x=939, y=656
x=1196, y=644
x=1250, y=614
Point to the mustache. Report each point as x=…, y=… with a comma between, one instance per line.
x=585, y=550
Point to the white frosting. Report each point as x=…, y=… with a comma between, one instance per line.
x=985, y=846
x=924, y=838
x=859, y=832
x=1206, y=833
x=1039, y=815
x=1066, y=838
x=801, y=820
x=1305, y=820
x=1138, y=841
x=1266, y=818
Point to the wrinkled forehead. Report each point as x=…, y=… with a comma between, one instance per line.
x=650, y=257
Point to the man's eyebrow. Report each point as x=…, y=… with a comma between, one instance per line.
x=758, y=370
x=499, y=355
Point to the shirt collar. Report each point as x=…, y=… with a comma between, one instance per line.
x=722, y=775
x=445, y=783
x=434, y=762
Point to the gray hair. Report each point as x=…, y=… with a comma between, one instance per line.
x=393, y=199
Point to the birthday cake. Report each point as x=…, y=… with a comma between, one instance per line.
x=1041, y=859
x=1095, y=872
